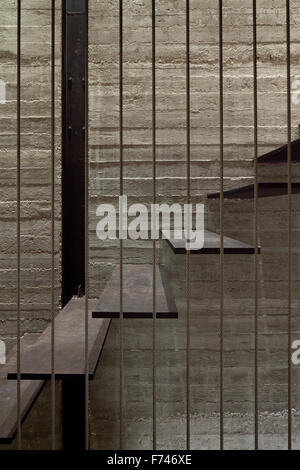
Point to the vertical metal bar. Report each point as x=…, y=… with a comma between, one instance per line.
x=53, y=220
x=121, y=193
x=86, y=229
x=221, y=90
x=256, y=287
x=288, y=53
x=154, y=201
x=18, y=182
x=188, y=198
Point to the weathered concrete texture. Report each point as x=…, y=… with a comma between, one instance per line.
x=171, y=187
x=171, y=95
x=36, y=429
x=35, y=166
x=35, y=192
x=204, y=359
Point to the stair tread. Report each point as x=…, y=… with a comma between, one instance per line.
x=280, y=154
x=212, y=242
x=69, y=345
x=137, y=294
x=8, y=392
x=265, y=189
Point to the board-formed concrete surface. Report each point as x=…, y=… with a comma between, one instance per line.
x=171, y=187
x=35, y=166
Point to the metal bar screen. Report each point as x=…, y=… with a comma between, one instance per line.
x=154, y=202
x=256, y=287
x=154, y=159
x=53, y=221
x=86, y=230
x=18, y=184
x=221, y=118
x=289, y=136
x=188, y=199
x=121, y=218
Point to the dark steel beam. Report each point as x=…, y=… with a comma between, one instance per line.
x=74, y=40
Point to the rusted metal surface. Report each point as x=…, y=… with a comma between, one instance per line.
x=221, y=217
x=154, y=254
x=256, y=229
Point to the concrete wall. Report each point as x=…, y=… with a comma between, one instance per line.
x=35, y=166
x=35, y=183
x=171, y=100
x=171, y=186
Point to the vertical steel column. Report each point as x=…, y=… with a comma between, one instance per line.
x=121, y=215
x=221, y=91
x=86, y=229
x=74, y=414
x=154, y=202
x=188, y=200
x=256, y=287
x=18, y=182
x=74, y=36
x=75, y=203
x=289, y=119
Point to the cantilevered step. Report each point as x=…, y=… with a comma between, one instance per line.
x=212, y=243
x=69, y=346
x=281, y=154
x=8, y=392
x=264, y=190
x=137, y=294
